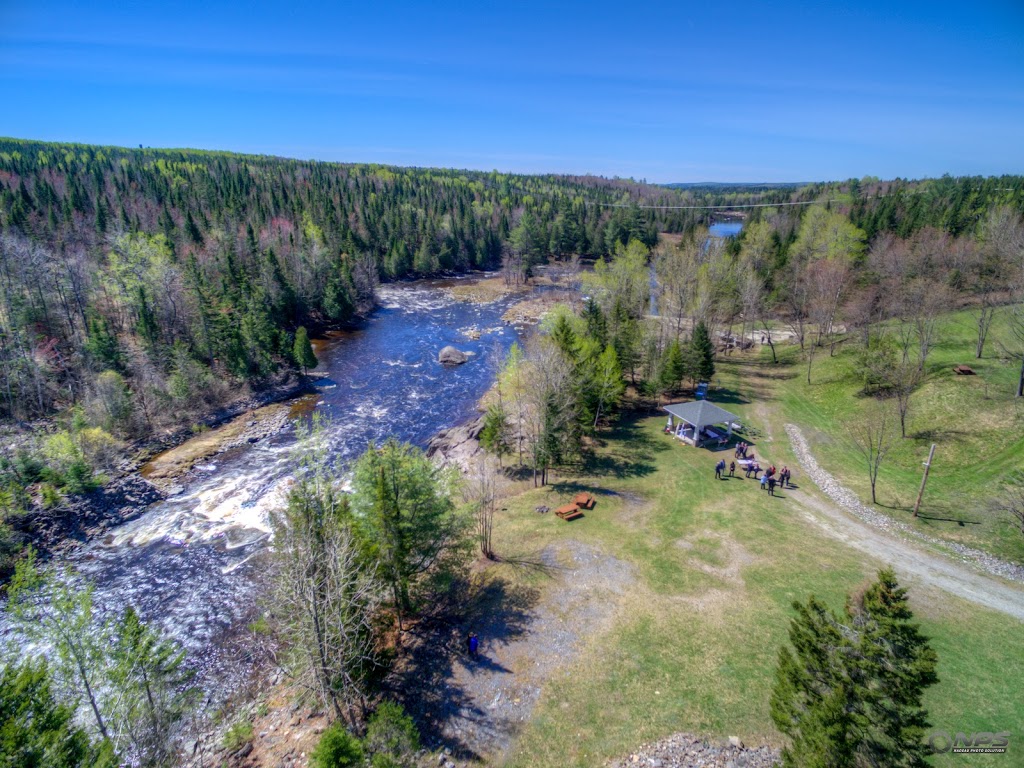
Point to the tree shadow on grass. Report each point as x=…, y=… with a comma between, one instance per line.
x=631, y=453
x=424, y=681
x=936, y=511
x=754, y=369
x=937, y=435
x=727, y=396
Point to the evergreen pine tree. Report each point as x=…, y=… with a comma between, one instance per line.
x=36, y=730
x=302, y=351
x=849, y=692
x=703, y=353
x=149, y=687
x=565, y=337
x=673, y=368
x=494, y=434
x=895, y=666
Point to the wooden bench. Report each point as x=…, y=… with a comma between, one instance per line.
x=584, y=501
x=569, y=512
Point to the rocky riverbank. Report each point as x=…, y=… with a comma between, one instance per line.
x=128, y=493
x=458, y=446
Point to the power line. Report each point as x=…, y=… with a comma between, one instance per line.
x=708, y=207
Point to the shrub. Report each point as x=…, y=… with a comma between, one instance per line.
x=337, y=748
x=392, y=737
x=101, y=449
x=238, y=734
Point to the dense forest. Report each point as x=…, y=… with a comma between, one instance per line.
x=175, y=270
x=141, y=288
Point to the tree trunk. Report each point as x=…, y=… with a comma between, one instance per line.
x=1020, y=380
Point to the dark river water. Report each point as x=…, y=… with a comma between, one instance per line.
x=191, y=564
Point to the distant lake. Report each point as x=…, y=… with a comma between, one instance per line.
x=725, y=228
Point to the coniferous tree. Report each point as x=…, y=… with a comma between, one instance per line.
x=703, y=353
x=409, y=524
x=673, y=367
x=325, y=592
x=52, y=612
x=849, y=691
x=494, y=434
x=302, y=351
x=150, y=687
x=37, y=730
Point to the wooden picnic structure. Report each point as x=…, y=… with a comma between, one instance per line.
x=574, y=509
x=699, y=422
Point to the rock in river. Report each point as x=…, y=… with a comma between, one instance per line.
x=452, y=356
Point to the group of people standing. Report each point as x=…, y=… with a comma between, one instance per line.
x=771, y=479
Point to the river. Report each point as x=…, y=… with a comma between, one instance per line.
x=191, y=564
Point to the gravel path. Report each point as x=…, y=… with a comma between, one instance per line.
x=477, y=707
x=886, y=539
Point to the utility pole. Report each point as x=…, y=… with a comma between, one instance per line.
x=927, y=467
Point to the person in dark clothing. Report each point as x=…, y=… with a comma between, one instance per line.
x=747, y=470
x=473, y=645
x=719, y=468
x=732, y=469
x=771, y=486
x=757, y=469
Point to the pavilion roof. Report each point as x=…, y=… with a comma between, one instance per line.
x=701, y=413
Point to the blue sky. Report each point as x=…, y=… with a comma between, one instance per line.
x=675, y=91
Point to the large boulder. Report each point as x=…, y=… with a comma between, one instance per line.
x=452, y=356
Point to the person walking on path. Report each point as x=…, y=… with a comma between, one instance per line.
x=473, y=645
x=732, y=469
x=719, y=468
x=771, y=486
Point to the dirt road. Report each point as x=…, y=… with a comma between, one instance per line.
x=910, y=561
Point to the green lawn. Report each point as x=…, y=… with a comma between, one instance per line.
x=975, y=422
x=717, y=563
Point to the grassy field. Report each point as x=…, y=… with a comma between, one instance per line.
x=975, y=422
x=693, y=644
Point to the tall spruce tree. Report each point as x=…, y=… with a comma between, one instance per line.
x=849, y=691
x=302, y=351
x=703, y=353
x=409, y=525
x=149, y=688
x=37, y=730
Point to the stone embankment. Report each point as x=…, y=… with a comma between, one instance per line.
x=85, y=516
x=458, y=446
x=848, y=500
x=688, y=751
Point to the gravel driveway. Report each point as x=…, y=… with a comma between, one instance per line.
x=850, y=521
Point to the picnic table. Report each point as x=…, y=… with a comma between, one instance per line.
x=584, y=501
x=569, y=512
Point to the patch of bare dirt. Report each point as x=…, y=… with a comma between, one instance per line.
x=734, y=558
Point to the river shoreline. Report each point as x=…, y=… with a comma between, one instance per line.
x=157, y=466
x=127, y=495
